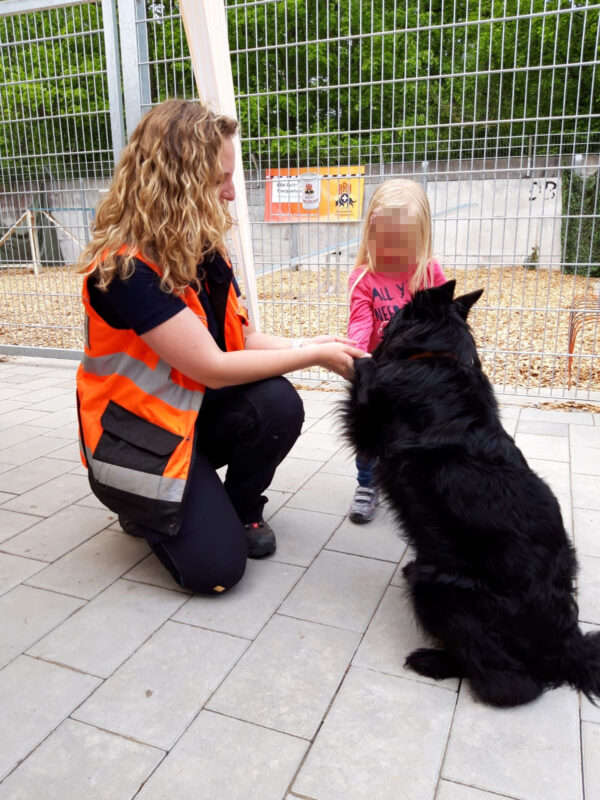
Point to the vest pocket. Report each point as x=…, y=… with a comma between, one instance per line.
x=131, y=441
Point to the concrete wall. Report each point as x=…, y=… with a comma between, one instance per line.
x=492, y=221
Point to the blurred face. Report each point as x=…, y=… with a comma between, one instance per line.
x=226, y=188
x=393, y=241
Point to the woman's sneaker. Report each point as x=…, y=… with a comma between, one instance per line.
x=362, y=507
x=260, y=539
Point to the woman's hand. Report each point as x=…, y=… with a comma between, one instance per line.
x=326, y=338
x=338, y=356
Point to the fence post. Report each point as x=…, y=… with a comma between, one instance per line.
x=133, y=31
x=113, y=77
x=33, y=241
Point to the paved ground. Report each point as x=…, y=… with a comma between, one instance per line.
x=115, y=684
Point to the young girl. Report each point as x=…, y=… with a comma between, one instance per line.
x=394, y=261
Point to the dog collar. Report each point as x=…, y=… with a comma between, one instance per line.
x=429, y=354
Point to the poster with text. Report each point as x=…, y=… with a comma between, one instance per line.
x=329, y=194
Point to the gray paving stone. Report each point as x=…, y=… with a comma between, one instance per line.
x=555, y=473
x=20, y=433
x=7, y=391
x=584, y=436
x=586, y=492
x=545, y=428
x=589, y=589
x=330, y=424
x=543, y=447
x=6, y=406
x=27, y=614
x=584, y=460
x=51, y=538
x=152, y=572
x=316, y=446
x=90, y=500
x=391, y=636
x=28, y=476
x=586, y=523
x=109, y=628
x=57, y=403
x=590, y=735
x=92, y=566
x=245, y=609
x=33, y=448
x=288, y=677
x=376, y=539
x=530, y=752
x=509, y=410
x=56, y=419
x=14, y=570
x=78, y=761
x=69, y=452
x=215, y=752
x=68, y=431
x=342, y=463
x=155, y=695
x=384, y=738
x=316, y=409
x=458, y=791
x=46, y=393
x=548, y=415
x=5, y=497
x=11, y=523
x=52, y=496
x=292, y=473
x=301, y=534
x=35, y=697
x=20, y=417
x=324, y=492
x=339, y=590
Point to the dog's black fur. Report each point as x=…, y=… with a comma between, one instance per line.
x=492, y=580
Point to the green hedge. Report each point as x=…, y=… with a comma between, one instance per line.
x=580, y=231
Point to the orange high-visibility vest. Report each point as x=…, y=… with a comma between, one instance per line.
x=137, y=415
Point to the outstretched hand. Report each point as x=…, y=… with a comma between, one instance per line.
x=338, y=356
x=326, y=338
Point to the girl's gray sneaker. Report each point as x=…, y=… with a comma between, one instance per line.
x=362, y=507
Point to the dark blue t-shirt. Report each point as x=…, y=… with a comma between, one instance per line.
x=138, y=303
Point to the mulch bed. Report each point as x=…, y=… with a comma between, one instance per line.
x=520, y=324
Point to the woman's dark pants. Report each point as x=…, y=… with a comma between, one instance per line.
x=251, y=428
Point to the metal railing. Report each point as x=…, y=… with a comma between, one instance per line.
x=497, y=116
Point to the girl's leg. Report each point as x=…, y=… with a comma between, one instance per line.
x=364, y=469
x=364, y=502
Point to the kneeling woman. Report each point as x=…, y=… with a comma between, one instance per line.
x=174, y=382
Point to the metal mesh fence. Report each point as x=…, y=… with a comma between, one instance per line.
x=55, y=150
x=493, y=107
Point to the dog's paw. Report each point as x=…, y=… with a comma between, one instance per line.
x=437, y=664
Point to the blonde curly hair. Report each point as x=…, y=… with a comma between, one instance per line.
x=163, y=200
x=401, y=193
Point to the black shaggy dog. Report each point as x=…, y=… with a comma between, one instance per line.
x=492, y=580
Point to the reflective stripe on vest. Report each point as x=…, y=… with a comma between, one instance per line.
x=155, y=382
x=155, y=487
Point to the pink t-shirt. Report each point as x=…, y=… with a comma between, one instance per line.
x=374, y=301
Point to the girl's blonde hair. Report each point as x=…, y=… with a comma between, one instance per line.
x=163, y=200
x=401, y=193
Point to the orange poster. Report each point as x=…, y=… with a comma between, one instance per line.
x=330, y=194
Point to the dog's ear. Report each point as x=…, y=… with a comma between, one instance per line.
x=465, y=302
x=364, y=374
x=443, y=294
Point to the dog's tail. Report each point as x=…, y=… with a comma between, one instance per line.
x=581, y=664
